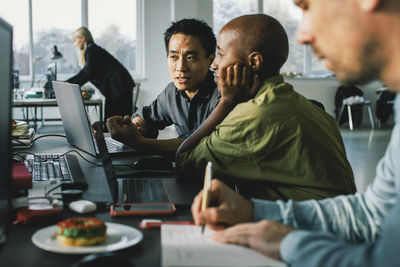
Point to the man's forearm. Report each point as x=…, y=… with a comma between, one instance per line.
x=166, y=148
x=206, y=128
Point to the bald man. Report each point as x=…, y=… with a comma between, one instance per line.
x=274, y=143
x=359, y=41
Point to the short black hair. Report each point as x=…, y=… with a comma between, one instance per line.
x=193, y=27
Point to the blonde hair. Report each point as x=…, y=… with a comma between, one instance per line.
x=85, y=33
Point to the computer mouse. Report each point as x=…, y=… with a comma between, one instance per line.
x=153, y=163
x=104, y=260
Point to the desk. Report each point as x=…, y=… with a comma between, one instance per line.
x=36, y=103
x=20, y=251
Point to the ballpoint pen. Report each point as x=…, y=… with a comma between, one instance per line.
x=206, y=189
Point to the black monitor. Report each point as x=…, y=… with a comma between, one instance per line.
x=6, y=36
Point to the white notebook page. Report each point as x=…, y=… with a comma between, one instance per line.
x=184, y=245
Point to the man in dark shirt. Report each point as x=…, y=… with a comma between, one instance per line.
x=173, y=106
x=186, y=102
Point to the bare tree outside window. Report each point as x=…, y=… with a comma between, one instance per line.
x=115, y=31
x=119, y=45
x=288, y=14
x=225, y=10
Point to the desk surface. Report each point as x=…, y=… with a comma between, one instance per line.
x=50, y=102
x=20, y=251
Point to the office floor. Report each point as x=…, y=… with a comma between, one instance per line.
x=365, y=147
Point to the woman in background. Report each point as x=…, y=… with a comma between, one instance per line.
x=105, y=72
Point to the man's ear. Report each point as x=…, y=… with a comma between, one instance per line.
x=255, y=60
x=369, y=5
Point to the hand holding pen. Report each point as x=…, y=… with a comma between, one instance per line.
x=228, y=207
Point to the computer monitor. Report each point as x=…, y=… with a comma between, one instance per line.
x=6, y=36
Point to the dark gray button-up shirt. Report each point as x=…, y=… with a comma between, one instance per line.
x=174, y=107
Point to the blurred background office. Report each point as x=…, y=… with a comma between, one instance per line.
x=132, y=31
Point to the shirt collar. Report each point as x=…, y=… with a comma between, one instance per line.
x=270, y=84
x=206, y=88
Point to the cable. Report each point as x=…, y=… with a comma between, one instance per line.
x=48, y=135
x=58, y=156
x=85, y=159
x=19, y=141
x=23, y=160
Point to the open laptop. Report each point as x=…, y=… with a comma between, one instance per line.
x=142, y=190
x=138, y=190
x=6, y=37
x=76, y=124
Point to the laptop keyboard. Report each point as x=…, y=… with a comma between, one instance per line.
x=113, y=145
x=65, y=168
x=143, y=191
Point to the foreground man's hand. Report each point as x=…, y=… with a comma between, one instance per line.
x=264, y=236
x=227, y=207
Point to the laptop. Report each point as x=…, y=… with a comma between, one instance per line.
x=142, y=190
x=76, y=123
x=6, y=37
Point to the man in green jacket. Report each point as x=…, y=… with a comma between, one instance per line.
x=263, y=137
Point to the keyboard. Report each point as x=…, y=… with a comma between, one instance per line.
x=114, y=146
x=144, y=190
x=64, y=168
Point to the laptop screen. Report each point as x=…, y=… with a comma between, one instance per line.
x=105, y=159
x=6, y=35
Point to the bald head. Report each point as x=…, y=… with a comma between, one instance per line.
x=261, y=33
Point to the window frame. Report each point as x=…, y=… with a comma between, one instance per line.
x=137, y=74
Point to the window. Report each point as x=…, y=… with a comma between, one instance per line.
x=225, y=10
x=289, y=15
x=115, y=31
x=20, y=23
x=54, y=21
x=112, y=23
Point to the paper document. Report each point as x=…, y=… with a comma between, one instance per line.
x=184, y=245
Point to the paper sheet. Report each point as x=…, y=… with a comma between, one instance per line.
x=184, y=245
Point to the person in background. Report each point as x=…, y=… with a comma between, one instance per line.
x=186, y=101
x=105, y=72
x=263, y=137
x=359, y=41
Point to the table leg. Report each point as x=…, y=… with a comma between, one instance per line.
x=350, y=117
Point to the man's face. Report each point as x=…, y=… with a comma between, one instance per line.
x=228, y=52
x=188, y=63
x=338, y=32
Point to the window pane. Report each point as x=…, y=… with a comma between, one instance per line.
x=16, y=13
x=53, y=24
x=289, y=15
x=225, y=10
x=113, y=26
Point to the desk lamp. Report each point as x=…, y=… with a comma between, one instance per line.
x=51, y=74
x=55, y=55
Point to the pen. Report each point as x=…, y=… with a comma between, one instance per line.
x=152, y=223
x=206, y=189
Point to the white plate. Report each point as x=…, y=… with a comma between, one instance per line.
x=118, y=237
